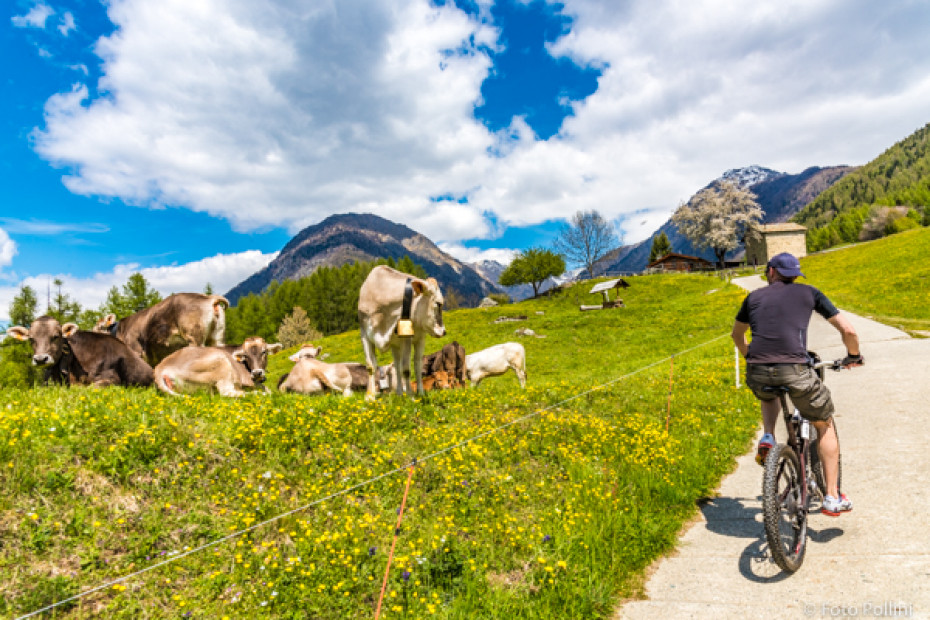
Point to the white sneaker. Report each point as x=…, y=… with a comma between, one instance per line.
x=833, y=507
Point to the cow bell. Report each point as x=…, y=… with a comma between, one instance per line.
x=405, y=328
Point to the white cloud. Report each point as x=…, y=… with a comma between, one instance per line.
x=474, y=255
x=276, y=113
x=47, y=228
x=35, y=18
x=67, y=25
x=222, y=271
x=7, y=249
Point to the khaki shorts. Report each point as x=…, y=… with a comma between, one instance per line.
x=806, y=390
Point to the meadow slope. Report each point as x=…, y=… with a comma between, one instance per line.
x=547, y=502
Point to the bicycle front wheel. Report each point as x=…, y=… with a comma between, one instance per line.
x=783, y=508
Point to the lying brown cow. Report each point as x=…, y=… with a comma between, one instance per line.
x=215, y=368
x=384, y=299
x=73, y=356
x=312, y=376
x=439, y=380
x=450, y=359
x=180, y=320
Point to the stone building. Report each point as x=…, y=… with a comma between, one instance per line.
x=775, y=239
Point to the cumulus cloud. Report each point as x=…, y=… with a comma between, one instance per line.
x=284, y=114
x=7, y=249
x=222, y=271
x=35, y=18
x=67, y=24
x=474, y=255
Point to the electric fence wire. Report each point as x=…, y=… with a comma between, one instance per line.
x=413, y=462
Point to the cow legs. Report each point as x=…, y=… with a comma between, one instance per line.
x=401, y=354
x=418, y=345
x=371, y=361
x=227, y=388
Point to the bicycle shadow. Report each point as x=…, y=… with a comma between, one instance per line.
x=742, y=518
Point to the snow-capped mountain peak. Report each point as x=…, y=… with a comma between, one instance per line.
x=750, y=175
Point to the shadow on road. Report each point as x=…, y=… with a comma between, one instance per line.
x=730, y=516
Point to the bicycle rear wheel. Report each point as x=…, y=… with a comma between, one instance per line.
x=784, y=512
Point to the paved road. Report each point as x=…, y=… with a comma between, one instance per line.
x=872, y=562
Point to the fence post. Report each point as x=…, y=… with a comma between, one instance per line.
x=736, y=362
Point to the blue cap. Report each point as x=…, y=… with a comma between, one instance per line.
x=786, y=264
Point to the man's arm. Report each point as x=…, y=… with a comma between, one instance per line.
x=847, y=332
x=739, y=336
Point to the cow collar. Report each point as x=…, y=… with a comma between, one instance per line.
x=405, y=307
x=112, y=328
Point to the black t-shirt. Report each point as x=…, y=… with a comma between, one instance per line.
x=778, y=316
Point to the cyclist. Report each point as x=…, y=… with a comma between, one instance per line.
x=778, y=316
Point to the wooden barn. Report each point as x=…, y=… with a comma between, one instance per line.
x=680, y=262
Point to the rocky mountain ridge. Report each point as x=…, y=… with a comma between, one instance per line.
x=348, y=237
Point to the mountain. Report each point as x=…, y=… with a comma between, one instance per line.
x=348, y=237
x=780, y=195
x=898, y=178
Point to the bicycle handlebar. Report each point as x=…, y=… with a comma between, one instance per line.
x=836, y=365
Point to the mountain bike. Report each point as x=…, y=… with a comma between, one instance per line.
x=793, y=477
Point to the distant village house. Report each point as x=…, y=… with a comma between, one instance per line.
x=774, y=239
x=680, y=262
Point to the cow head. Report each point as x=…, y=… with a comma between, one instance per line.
x=47, y=337
x=106, y=325
x=253, y=354
x=307, y=350
x=429, y=302
x=439, y=380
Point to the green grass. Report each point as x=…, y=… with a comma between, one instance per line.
x=555, y=515
x=887, y=280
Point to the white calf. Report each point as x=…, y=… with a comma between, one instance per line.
x=495, y=361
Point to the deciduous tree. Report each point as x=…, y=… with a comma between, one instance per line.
x=296, y=329
x=586, y=239
x=533, y=266
x=717, y=217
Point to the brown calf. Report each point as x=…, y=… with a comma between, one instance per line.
x=72, y=356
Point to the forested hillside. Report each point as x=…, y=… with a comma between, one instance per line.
x=888, y=195
x=329, y=296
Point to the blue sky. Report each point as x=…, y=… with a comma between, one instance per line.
x=192, y=140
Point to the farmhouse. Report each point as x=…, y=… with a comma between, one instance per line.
x=679, y=262
x=774, y=239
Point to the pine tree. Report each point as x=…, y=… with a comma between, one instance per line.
x=661, y=246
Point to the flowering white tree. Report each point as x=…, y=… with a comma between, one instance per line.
x=718, y=217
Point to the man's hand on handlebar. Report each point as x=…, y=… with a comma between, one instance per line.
x=852, y=360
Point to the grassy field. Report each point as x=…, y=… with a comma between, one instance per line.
x=887, y=280
x=547, y=502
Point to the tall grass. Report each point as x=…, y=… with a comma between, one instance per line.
x=547, y=502
x=887, y=279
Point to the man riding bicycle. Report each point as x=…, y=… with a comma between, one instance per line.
x=778, y=316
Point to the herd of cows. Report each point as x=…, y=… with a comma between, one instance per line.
x=178, y=344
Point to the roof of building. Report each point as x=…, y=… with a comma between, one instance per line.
x=609, y=284
x=670, y=255
x=784, y=227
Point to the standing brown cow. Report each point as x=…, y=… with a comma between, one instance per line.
x=179, y=320
x=72, y=356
